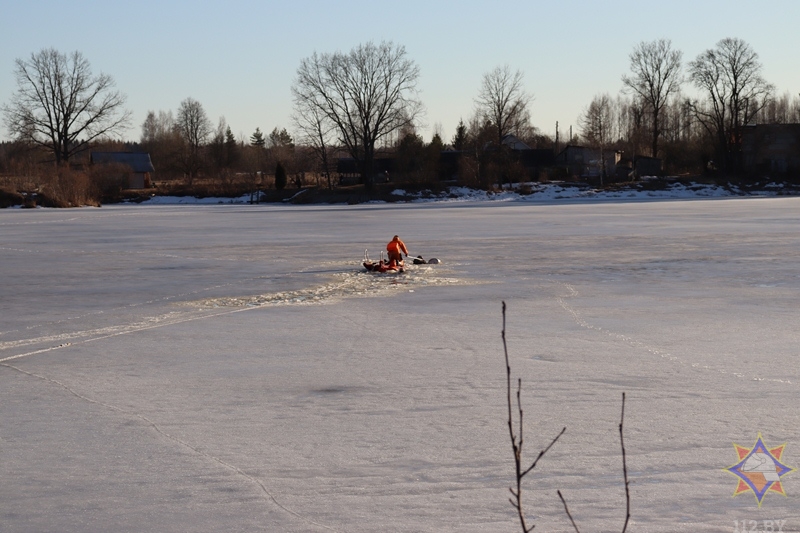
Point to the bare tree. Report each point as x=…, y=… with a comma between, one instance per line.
x=315, y=132
x=730, y=77
x=195, y=128
x=655, y=75
x=282, y=149
x=223, y=151
x=157, y=126
x=161, y=139
x=60, y=105
x=364, y=96
x=597, y=122
x=503, y=102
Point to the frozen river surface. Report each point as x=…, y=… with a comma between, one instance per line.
x=231, y=368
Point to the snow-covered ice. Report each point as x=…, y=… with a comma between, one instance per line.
x=231, y=368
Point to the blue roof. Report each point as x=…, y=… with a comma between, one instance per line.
x=138, y=161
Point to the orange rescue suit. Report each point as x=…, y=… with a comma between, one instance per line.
x=395, y=247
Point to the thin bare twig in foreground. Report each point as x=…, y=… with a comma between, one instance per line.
x=516, y=442
x=566, y=510
x=624, y=468
x=624, y=473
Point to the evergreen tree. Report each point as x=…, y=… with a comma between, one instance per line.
x=459, y=141
x=280, y=138
x=257, y=139
x=280, y=177
x=433, y=154
x=231, y=148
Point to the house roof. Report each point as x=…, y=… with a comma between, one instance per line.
x=138, y=161
x=514, y=142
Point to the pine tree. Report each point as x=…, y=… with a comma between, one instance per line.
x=257, y=139
x=231, y=148
x=460, y=138
x=280, y=138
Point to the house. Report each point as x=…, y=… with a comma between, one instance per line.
x=587, y=163
x=639, y=167
x=646, y=166
x=349, y=170
x=139, y=163
x=533, y=160
x=771, y=149
x=449, y=161
x=514, y=142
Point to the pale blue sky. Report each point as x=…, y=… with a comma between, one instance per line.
x=238, y=58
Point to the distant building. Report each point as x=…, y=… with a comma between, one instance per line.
x=771, y=149
x=587, y=163
x=513, y=142
x=534, y=160
x=641, y=166
x=448, y=164
x=349, y=170
x=139, y=163
x=646, y=166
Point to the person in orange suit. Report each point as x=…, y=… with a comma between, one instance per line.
x=396, y=248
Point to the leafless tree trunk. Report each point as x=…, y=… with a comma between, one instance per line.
x=195, y=129
x=730, y=76
x=157, y=127
x=503, y=102
x=655, y=75
x=363, y=96
x=61, y=105
x=315, y=130
x=596, y=123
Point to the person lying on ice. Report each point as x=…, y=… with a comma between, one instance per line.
x=383, y=266
x=391, y=264
x=395, y=247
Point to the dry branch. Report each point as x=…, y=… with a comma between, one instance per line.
x=517, y=443
x=517, y=439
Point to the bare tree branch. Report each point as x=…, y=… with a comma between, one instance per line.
x=194, y=127
x=656, y=74
x=566, y=510
x=60, y=105
x=730, y=77
x=624, y=473
x=363, y=96
x=503, y=102
x=624, y=468
x=517, y=440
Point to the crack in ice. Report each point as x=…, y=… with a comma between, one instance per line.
x=576, y=316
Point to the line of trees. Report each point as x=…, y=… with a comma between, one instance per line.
x=366, y=101
x=187, y=144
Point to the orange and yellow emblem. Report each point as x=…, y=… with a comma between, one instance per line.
x=759, y=469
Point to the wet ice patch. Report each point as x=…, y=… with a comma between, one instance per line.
x=357, y=283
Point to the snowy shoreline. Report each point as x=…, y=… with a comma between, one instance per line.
x=539, y=193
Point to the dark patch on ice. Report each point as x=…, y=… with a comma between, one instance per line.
x=338, y=389
x=332, y=390
x=170, y=267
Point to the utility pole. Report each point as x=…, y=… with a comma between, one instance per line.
x=556, y=150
